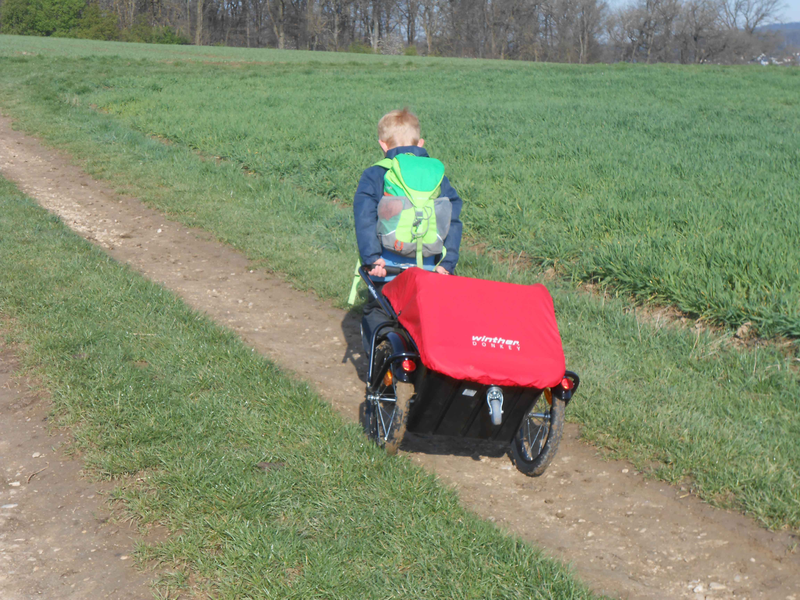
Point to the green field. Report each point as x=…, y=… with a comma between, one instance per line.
x=671, y=183
x=674, y=183
x=14, y=45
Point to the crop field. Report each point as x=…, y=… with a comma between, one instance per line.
x=673, y=184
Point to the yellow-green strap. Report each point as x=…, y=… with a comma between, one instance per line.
x=354, y=289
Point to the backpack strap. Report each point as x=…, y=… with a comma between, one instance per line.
x=385, y=163
x=354, y=288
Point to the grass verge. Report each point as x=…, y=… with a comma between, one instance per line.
x=683, y=405
x=152, y=389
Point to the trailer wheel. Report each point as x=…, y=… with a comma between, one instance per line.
x=536, y=442
x=397, y=429
x=389, y=408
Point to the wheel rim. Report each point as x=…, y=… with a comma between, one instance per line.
x=535, y=430
x=384, y=406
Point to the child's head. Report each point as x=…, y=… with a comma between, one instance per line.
x=399, y=128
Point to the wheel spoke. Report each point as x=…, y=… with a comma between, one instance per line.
x=536, y=429
x=386, y=417
x=527, y=440
x=540, y=437
x=385, y=407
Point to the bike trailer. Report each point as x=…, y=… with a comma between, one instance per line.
x=481, y=331
x=469, y=358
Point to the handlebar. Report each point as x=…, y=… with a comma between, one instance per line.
x=390, y=270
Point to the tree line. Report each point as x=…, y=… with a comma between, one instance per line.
x=575, y=31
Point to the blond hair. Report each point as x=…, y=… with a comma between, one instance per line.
x=399, y=128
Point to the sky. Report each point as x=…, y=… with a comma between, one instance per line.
x=791, y=12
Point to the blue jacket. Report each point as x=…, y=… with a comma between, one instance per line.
x=365, y=208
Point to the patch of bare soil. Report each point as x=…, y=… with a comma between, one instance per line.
x=57, y=537
x=626, y=536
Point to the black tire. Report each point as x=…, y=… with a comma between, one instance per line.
x=536, y=442
x=397, y=430
x=365, y=417
x=388, y=410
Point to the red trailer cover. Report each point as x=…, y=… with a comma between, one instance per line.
x=482, y=331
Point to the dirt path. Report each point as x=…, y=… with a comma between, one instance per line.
x=56, y=540
x=626, y=537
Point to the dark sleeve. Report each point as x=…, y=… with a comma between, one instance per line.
x=453, y=240
x=365, y=211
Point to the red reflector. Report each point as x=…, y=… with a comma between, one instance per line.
x=567, y=384
x=409, y=365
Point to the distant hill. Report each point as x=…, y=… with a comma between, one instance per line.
x=789, y=31
x=782, y=27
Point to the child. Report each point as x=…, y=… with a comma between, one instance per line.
x=378, y=205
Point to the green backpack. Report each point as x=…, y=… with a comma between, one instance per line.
x=413, y=220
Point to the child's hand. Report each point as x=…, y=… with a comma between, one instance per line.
x=378, y=268
x=442, y=271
